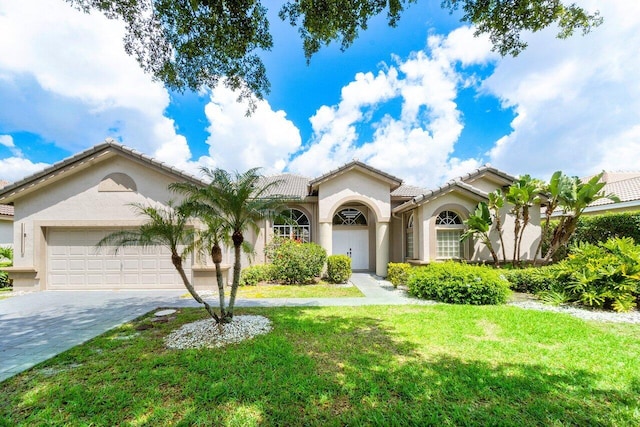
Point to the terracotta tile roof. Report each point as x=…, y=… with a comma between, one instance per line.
x=289, y=185
x=627, y=190
x=408, y=191
x=6, y=210
x=443, y=189
x=484, y=169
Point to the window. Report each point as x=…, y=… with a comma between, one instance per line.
x=409, y=232
x=349, y=216
x=449, y=229
x=294, y=225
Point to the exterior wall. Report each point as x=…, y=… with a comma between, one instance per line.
x=6, y=232
x=483, y=183
x=76, y=202
x=448, y=202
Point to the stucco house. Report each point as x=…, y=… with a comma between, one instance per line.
x=6, y=221
x=370, y=215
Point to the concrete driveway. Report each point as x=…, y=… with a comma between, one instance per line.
x=37, y=326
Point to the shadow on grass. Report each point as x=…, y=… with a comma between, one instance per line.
x=315, y=368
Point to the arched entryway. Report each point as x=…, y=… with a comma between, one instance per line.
x=351, y=236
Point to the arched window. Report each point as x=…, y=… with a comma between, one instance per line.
x=349, y=216
x=449, y=229
x=294, y=225
x=409, y=232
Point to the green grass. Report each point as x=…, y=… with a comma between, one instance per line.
x=387, y=366
x=298, y=291
x=321, y=290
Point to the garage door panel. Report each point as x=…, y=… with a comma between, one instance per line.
x=73, y=262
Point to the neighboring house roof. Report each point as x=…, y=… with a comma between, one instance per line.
x=627, y=189
x=356, y=164
x=6, y=211
x=459, y=184
x=80, y=161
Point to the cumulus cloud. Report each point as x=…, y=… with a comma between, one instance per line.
x=418, y=144
x=265, y=139
x=75, y=85
x=577, y=101
x=16, y=167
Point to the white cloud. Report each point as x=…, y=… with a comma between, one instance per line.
x=416, y=146
x=16, y=167
x=68, y=79
x=264, y=139
x=577, y=100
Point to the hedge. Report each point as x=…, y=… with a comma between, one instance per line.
x=254, y=274
x=397, y=273
x=295, y=262
x=459, y=283
x=534, y=279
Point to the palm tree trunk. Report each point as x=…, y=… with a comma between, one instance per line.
x=220, y=289
x=177, y=263
x=236, y=280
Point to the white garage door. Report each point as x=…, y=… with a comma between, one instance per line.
x=74, y=263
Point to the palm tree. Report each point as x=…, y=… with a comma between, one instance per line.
x=573, y=197
x=166, y=226
x=522, y=194
x=479, y=224
x=242, y=200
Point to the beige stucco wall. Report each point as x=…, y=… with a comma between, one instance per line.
x=354, y=186
x=485, y=184
x=474, y=250
x=75, y=201
x=6, y=232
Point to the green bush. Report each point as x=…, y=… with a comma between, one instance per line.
x=605, y=275
x=459, y=283
x=534, y=279
x=338, y=268
x=397, y=273
x=295, y=262
x=6, y=260
x=254, y=274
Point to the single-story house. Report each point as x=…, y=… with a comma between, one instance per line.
x=6, y=221
x=357, y=210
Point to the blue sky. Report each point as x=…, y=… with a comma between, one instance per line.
x=425, y=101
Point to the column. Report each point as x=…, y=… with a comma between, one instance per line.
x=382, y=248
x=326, y=237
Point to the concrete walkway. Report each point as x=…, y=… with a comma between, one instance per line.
x=35, y=327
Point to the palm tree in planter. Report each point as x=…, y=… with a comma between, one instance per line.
x=166, y=226
x=240, y=201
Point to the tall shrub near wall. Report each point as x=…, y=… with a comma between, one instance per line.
x=398, y=273
x=295, y=262
x=338, y=268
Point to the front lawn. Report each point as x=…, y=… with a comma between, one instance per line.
x=298, y=291
x=406, y=365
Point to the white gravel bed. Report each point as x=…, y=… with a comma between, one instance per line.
x=207, y=334
x=598, y=315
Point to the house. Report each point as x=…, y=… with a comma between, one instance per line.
x=625, y=185
x=372, y=216
x=6, y=221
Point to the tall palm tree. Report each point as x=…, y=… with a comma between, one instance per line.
x=242, y=200
x=166, y=226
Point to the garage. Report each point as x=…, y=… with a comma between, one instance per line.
x=74, y=262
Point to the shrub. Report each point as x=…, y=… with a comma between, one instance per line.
x=338, y=268
x=295, y=262
x=397, y=273
x=534, y=279
x=6, y=260
x=255, y=274
x=459, y=283
x=606, y=275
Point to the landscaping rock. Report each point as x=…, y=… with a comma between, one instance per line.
x=207, y=334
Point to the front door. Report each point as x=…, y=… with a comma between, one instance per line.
x=353, y=242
